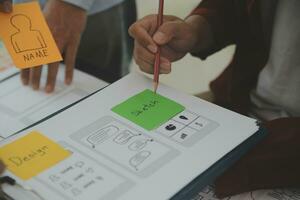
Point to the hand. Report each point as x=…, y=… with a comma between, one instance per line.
x=176, y=38
x=6, y=6
x=66, y=23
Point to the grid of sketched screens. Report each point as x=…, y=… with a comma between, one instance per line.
x=187, y=128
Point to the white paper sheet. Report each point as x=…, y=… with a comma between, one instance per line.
x=20, y=106
x=137, y=164
x=276, y=194
x=7, y=67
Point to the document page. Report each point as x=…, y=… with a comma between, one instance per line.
x=7, y=67
x=21, y=106
x=114, y=157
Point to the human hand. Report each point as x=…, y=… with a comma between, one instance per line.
x=6, y=6
x=176, y=38
x=66, y=23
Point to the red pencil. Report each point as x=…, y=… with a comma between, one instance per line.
x=157, y=56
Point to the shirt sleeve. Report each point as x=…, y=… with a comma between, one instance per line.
x=84, y=4
x=273, y=163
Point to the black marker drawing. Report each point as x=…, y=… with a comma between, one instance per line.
x=124, y=137
x=102, y=135
x=139, y=144
x=138, y=159
x=34, y=38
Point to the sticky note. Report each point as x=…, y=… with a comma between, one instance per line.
x=148, y=110
x=27, y=37
x=31, y=155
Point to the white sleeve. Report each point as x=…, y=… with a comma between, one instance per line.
x=84, y=4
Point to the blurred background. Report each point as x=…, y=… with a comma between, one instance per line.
x=198, y=73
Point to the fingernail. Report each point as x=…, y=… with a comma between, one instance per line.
x=49, y=89
x=7, y=6
x=152, y=48
x=159, y=37
x=35, y=87
x=165, y=64
x=68, y=81
x=25, y=81
x=165, y=71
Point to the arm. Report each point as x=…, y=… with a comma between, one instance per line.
x=222, y=17
x=274, y=163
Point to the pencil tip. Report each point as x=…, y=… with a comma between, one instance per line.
x=155, y=85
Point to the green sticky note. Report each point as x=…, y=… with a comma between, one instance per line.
x=148, y=110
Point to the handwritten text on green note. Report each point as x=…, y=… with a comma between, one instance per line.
x=148, y=110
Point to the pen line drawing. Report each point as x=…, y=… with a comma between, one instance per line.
x=23, y=25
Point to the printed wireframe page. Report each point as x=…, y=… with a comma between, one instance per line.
x=21, y=106
x=113, y=157
x=7, y=67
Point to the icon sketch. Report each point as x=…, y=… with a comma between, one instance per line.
x=138, y=159
x=26, y=38
x=124, y=137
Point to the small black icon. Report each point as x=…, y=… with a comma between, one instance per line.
x=183, y=136
x=171, y=127
x=183, y=117
x=199, y=124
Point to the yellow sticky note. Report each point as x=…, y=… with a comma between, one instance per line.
x=27, y=37
x=31, y=155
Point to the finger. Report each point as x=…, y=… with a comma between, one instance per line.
x=51, y=77
x=171, y=54
x=148, y=67
x=25, y=76
x=70, y=57
x=6, y=6
x=167, y=32
x=35, y=77
x=143, y=54
x=141, y=35
x=143, y=65
x=2, y=167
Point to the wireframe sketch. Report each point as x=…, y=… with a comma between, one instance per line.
x=26, y=38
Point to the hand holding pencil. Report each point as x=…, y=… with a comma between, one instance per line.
x=156, y=47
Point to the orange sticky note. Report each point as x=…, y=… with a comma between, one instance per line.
x=27, y=37
x=31, y=155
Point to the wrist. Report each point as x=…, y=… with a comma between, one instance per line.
x=201, y=31
x=61, y=16
x=66, y=5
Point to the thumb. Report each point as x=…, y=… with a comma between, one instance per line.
x=166, y=33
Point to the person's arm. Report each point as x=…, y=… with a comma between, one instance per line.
x=274, y=163
x=221, y=15
x=6, y=6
